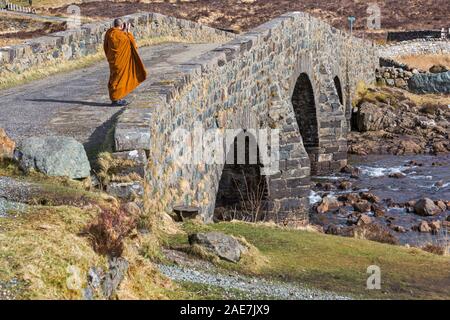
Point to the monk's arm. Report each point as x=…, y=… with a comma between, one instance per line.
x=131, y=37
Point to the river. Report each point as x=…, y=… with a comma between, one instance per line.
x=420, y=176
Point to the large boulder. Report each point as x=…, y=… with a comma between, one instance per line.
x=222, y=245
x=430, y=83
x=370, y=117
x=54, y=156
x=7, y=146
x=426, y=207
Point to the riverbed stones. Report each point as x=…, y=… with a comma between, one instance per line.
x=7, y=145
x=364, y=219
x=224, y=246
x=426, y=207
x=54, y=156
x=328, y=203
x=423, y=227
x=362, y=206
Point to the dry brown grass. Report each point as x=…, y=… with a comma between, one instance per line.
x=425, y=62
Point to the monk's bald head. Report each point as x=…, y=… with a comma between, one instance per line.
x=118, y=22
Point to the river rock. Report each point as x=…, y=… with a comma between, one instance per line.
x=430, y=83
x=362, y=206
x=222, y=245
x=435, y=226
x=423, y=227
x=345, y=185
x=364, y=219
x=370, y=197
x=441, y=204
x=7, y=146
x=426, y=207
x=54, y=156
x=328, y=203
x=372, y=118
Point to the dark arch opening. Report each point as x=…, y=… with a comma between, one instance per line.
x=242, y=192
x=305, y=114
x=337, y=84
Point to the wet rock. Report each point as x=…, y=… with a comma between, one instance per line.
x=378, y=210
x=328, y=203
x=370, y=197
x=441, y=204
x=397, y=175
x=7, y=146
x=364, y=219
x=345, y=185
x=222, y=245
x=426, y=207
x=349, y=199
x=398, y=229
x=423, y=227
x=414, y=163
x=54, y=156
x=439, y=183
x=362, y=206
x=327, y=186
x=435, y=226
x=353, y=171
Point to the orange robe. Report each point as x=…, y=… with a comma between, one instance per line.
x=126, y=68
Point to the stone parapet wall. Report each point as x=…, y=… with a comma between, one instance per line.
x=415, y=47
x=88, y=39
x=394, y=77
x=248, y=83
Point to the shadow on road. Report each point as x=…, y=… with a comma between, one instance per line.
x=84, y=103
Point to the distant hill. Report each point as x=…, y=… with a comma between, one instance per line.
x=241, y=15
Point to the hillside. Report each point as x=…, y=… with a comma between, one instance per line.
x=245, y=14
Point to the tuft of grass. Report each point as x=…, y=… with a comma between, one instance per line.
x=43, y=249
x=336, y=263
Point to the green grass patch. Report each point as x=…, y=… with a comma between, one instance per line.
x=337, y=264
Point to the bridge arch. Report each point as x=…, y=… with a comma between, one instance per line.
x=303, y=103
x=243, y=189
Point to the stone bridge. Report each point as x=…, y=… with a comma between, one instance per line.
x=295, y=74
x=293, y=77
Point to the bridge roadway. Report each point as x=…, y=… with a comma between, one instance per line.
x=76, y=103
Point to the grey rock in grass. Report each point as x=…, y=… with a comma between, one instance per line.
x=54, y=156
x=222, y=245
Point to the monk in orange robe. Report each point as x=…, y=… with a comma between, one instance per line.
x=126, y=68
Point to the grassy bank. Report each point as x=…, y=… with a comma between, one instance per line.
x=338, y=264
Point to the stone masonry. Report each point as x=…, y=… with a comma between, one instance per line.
x=283, y=75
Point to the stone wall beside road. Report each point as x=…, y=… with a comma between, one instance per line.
x=88, y=39
x=415, y=47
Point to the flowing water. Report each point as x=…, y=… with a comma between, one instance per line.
x=424, y=176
